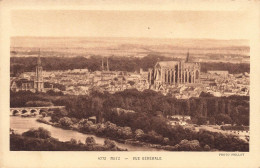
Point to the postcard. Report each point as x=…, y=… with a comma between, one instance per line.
x=129, y=84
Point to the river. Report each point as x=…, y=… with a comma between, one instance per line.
x=22, y=124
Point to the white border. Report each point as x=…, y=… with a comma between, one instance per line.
x=89, y=159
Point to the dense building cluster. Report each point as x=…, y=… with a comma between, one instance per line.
x=181, y=79
x=34, y=83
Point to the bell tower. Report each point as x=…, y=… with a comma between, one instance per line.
x=38, y=82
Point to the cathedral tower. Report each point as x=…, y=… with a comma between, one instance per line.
x=38, y=82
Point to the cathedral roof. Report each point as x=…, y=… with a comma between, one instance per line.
x=167, y=64
x=19, y=82
x=190, y=65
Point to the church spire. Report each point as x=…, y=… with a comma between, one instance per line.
x=187, y=58
x=39, y=59
x=38, y=82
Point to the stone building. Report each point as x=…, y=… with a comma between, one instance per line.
x=33, y=85
x=22, y=85
x=173, y=73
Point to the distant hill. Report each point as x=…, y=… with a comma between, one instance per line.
x=201, y=50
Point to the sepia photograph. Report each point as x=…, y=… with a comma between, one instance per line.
x=84, y=80
x=129, y=81
x=129, y=84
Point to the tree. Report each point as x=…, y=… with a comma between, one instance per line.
x=53, y=93
x=166, y=108
x=139, y=133
x=38, y=103
x=100, y=128
x=206, y=148
x=93, y=128
x=155, y=137
x=38, y=133
x=17, y=69
x=109, y=143
x=223, y=118
x=97, y=107
x=125, y=132
x=111, y=129
x=202, y=120
x=166, y=140
x=73, y=141
x=186, y=145
x=90, y=141
x=212, y=120
x=243, y=120
x=50, y=92
x=57, y=114
x=86, y=126
x=65, y=122
x=206, y=138
x=205, y=94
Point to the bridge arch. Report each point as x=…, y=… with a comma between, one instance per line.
x=15, y=112
x=42, y=110
x=33, y=111
x=24, y=111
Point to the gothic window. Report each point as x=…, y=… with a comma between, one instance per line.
x=165, y=75
x=189, y=77
x=185, y=76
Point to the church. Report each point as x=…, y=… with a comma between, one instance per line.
x=169, y=73
x=35, y=85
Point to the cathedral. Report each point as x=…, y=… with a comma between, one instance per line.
x=173, y=73
x=34, y=85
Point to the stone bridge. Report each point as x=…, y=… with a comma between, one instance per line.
x=33, y=110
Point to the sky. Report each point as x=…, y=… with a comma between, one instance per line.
x=153, y=24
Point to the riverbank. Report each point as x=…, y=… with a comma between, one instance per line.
x=184, y=145
x=133, y=142
x=30, y=143
x=20, y=125
x=153, y=140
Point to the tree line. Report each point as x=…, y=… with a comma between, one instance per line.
x=128, y=64
x=149, y=120
x=203, y=109
x=174, y=138
x=40, y=140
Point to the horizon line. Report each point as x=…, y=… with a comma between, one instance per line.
x=169, y=38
